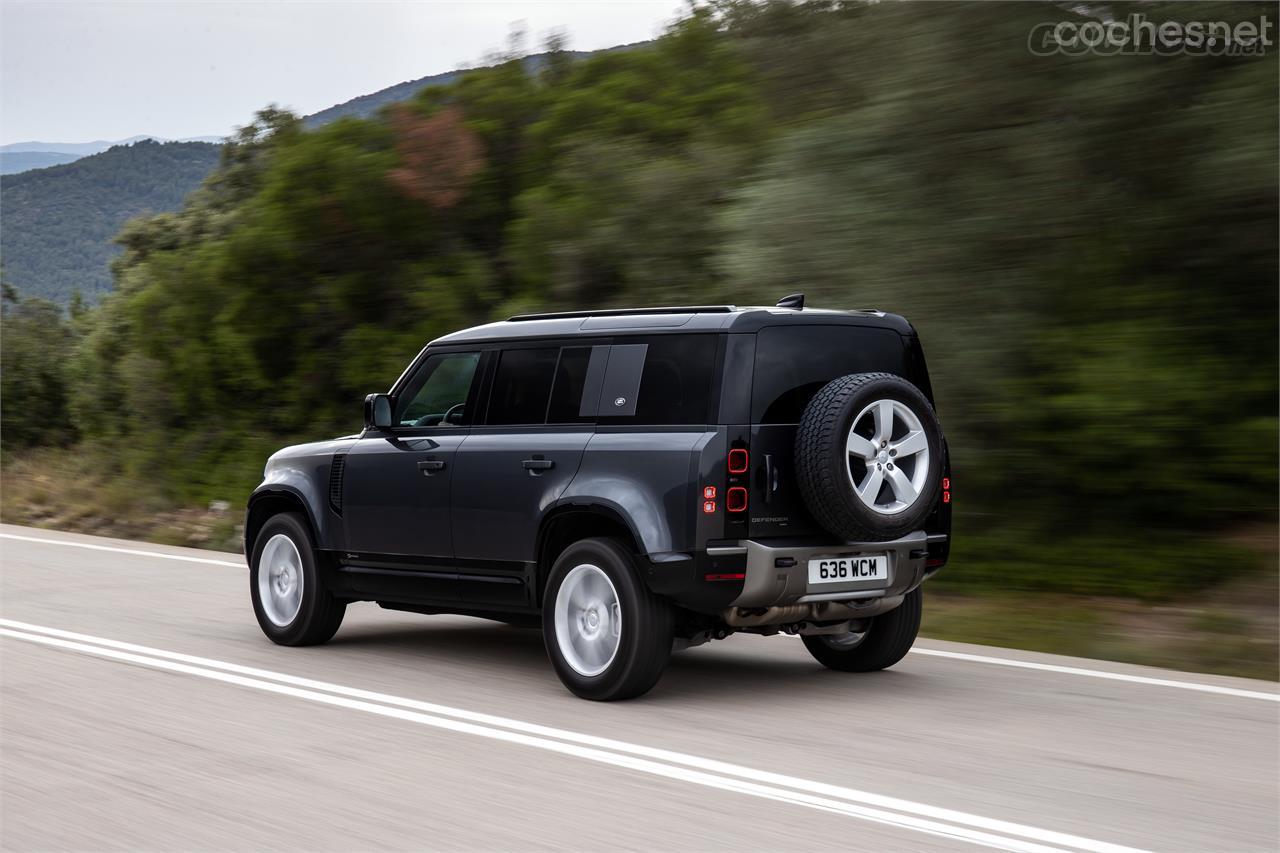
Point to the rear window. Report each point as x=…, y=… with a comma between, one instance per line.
x=522, y=386
x=794, y=362
x=674, y=381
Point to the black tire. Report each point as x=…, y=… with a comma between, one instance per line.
x=319, y=614
x=887, y=640
x=822, y=462
x=644, y=644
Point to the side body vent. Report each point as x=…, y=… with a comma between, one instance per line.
x=336, y=468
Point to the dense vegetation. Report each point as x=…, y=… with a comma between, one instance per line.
x=1087, y=244
x=59, y=222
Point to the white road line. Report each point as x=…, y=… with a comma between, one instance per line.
x=1097, y=673
x=917, y=816
x=971, y=658
x=135, y=552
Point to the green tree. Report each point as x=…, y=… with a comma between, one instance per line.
x=34, y=342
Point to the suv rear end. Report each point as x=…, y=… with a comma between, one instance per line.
x=756, y=532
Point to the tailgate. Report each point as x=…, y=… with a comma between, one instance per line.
x=777, y=507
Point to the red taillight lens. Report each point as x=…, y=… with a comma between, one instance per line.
x=709, y=492
x=708, y=507
x=739, y=461
x=727, y=576
x=946, y=483
x=735, y=500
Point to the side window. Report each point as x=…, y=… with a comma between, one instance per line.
x=674, y=374
x=793, y=363
x=522, y=386
x=437, y=394
x=567, y=406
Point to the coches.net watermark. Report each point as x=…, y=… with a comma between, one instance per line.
x=1137, y=35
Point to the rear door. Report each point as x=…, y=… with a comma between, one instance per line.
x=516, y=462
x=792, y=363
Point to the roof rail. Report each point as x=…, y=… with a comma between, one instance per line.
x=625, y=312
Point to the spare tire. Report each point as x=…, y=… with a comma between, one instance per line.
x=869, y=456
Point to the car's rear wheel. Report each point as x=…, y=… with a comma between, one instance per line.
x=607, y=635
x=884, y=641
x=289, y=598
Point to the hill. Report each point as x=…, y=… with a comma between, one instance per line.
x=79, y=149
x=24, y=161
x=23, y=156
x=58, y=223
x=366, y=106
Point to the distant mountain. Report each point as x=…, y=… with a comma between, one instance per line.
x=58, y=223
x=80, y=149
x=22, y=156
x=22, y=161
x=368, y=105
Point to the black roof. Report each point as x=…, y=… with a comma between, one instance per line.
x=698, y=318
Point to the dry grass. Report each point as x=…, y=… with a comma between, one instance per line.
x=68, y=491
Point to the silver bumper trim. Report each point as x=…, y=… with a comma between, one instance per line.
x=841, y=596
x=778, y=574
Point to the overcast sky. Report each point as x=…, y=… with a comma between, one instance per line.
x=75, y=71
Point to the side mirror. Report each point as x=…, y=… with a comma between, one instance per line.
x=377, y=411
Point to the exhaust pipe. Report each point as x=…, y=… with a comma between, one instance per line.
x=818, y=611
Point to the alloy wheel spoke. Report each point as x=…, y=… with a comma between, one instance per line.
x=863, y=448
x=870, y=487
x=884, y=421
x=902, y=487
x=913, y=443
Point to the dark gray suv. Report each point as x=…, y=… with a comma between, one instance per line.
x=635, y=480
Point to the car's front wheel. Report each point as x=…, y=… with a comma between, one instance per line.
x=607, y=635
x=883, y=642
x=289, y=598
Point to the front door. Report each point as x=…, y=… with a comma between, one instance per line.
x=397, y=481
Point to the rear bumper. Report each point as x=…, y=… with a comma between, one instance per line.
x=776, y=579
x=751, y=574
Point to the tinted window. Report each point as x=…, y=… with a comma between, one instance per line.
x=437, y=394
x=675, y=382
x=794, y=362
x=522, y=386
x=566, y=393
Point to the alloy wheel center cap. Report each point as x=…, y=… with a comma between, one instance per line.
x=882, y=457
x=593, y=618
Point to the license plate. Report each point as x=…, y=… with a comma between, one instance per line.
x=868, y=567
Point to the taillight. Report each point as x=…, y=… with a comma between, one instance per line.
x=739, y=461
x=735, y=500
x=946, y=490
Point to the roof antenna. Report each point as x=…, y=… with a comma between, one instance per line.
x=795, y=300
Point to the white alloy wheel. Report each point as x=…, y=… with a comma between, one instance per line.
x=280, y=580
x=888, y=455
x=588, y=620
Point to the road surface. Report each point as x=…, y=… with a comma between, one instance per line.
x=143, y=710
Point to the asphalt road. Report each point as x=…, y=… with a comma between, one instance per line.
x=143, y=710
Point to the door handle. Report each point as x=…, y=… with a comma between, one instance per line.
x=535, y=464
x=430, y=466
